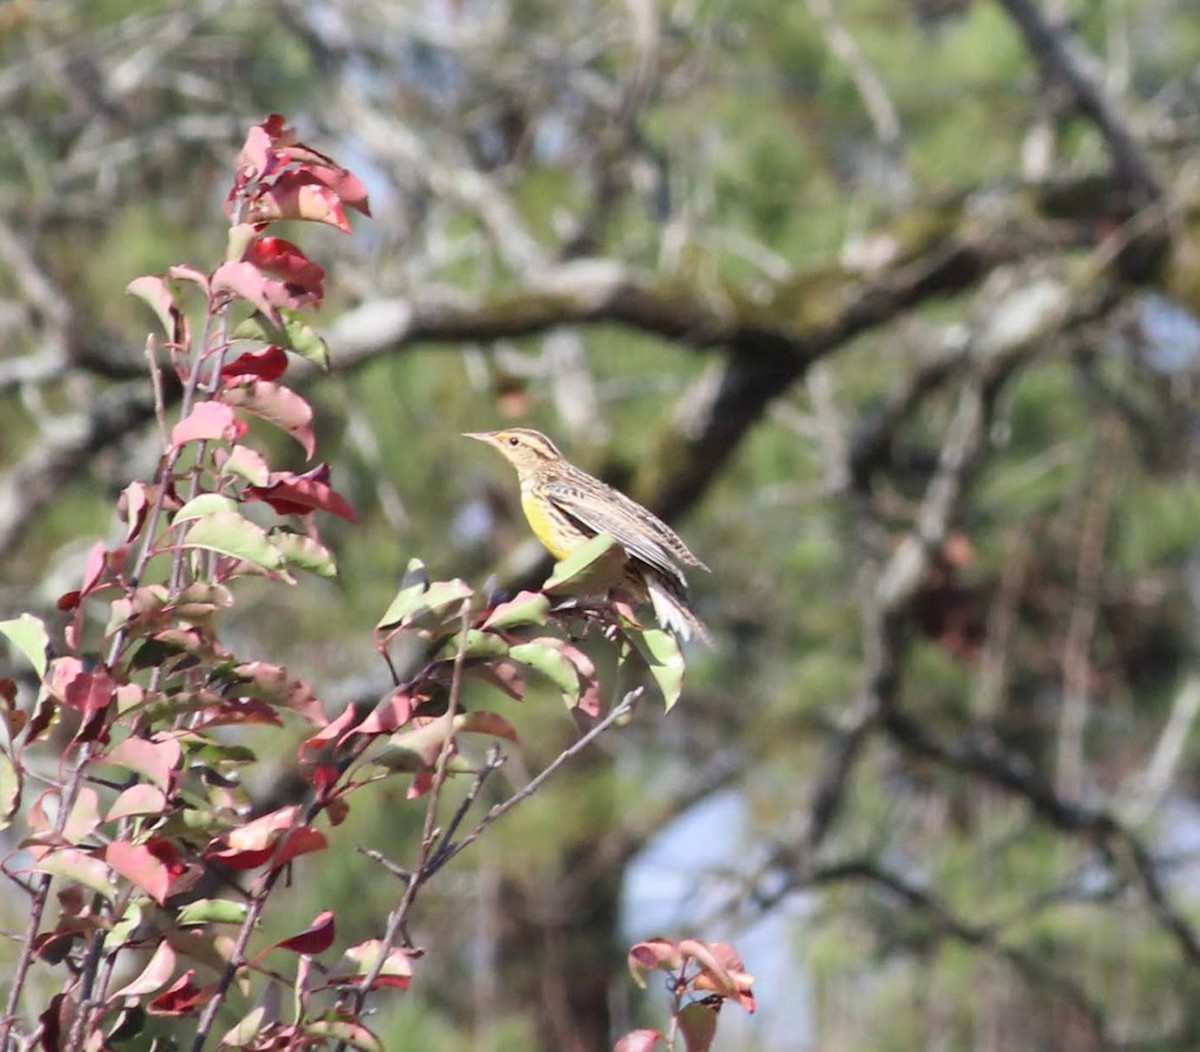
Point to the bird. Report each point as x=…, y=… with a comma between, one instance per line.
x=567, y=507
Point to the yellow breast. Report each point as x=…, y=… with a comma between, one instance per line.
x=558, y=535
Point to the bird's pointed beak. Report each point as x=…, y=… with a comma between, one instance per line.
x=480, y=436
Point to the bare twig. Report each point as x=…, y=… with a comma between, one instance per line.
x=1061, y=55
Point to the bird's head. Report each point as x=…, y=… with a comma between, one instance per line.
x=524, y=448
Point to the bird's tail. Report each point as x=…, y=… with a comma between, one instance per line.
x=673, y=612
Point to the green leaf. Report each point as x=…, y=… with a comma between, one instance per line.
x=305, y=553
x=698, y=1024
x=10, y=789
x=526, y=608
x=348, y=1031
x=424, y=606
x=156, y=294
x=412, y=587
x=247, y=463
x=295, y=334
x=592, y=569
x=479, y=645
x=546, y=657
x=228, y=533
x=664, y=659
x=123, y=930
x=243, y=1033
x=28, y=635
x=212, y=911
x=75, y=864
x=205, y=504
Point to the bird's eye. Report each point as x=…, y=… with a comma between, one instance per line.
x=513, y=440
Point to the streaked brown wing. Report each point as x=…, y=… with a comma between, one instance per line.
x=619, y=517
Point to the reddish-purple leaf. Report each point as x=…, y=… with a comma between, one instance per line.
x=650, y=954
x=75, y=864
x=133, y=504
x=208, y=421
x=298, y=194
x=302, y=841
x=182, y=272
x=138, y=864
x=291, y=494
x=152, y=758
x=390, y=714
x=277, y=405
x=56, y=1021
x=339, y=1029
x=236, y=858
x=332, y=731
x=153, y=977
x=246, y=462
x=638, y=1041
x=139, y=799
x=396, y=971
x=85, y=691
x=248, y=282
x=268, y=364
x=316, y=938
x=84, y=816
x=722, y=971
x=421, y=784
x=482, y=722
x=93, y=566
x=277, y=686
x=284, y=260
x=182, y=997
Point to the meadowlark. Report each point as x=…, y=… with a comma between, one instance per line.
x=567, y=507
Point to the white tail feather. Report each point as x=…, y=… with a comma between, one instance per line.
x=673, y=615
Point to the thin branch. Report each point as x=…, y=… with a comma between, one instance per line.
x=1061, y=55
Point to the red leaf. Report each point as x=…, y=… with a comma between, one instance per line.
x=262, y=832
x=268, y=364
x=208, y=421
x=722, y=971
x=278, y=687
x=394, y=711
x=137, y=863
x=284, y=260
x=484, y=722
x=638, y=1041
x=302, y=841
x=154, y=759
x=277, y=405
x=240, y=711
x=331, y=731
x=85, y=691
x=250, y=283
x=421, y=784
x=93, y=567
x=291, y=494
x=653, y=953
x=133, y=504
x=139, y=799
x=57, y=1018
x=300, y=194
x=316, y=938
x=236, y=858
x=181, y=998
